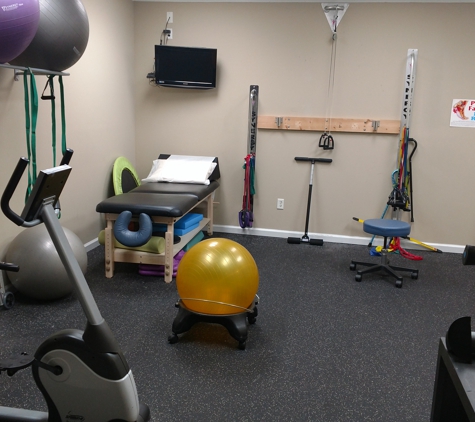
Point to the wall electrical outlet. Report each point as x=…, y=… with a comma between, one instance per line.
x=280, y=204
x=170, y=34
x=169, y=17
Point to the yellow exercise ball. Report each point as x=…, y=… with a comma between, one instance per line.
x=217, y=277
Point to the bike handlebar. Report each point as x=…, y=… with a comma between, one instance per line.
x=7, y=266
x=13, y=183
x=10, y=189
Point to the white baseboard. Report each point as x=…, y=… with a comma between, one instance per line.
x=92, y=244
x=331, y=238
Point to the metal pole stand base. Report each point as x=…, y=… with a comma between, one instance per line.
x=305, y=239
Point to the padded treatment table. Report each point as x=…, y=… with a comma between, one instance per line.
x=165, y=203
x=200, y=191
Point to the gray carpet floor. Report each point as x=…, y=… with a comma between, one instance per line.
x=324, y=347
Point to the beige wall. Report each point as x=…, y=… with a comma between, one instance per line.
x=99, y=99
x=286, y=49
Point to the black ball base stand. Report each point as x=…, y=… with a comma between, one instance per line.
x=235, y=323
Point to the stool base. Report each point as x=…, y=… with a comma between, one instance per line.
x=384, y=266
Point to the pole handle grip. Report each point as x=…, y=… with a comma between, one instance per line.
x=314, y=160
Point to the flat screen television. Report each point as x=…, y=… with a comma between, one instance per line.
x=185, y=67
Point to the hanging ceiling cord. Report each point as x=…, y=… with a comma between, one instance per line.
x=326, y=140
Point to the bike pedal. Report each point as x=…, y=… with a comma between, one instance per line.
x=16, y=363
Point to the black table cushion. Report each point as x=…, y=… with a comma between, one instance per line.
x=200, y=191
x=159, y=205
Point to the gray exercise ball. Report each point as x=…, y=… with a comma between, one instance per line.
x=42, y=275
x=61, y=38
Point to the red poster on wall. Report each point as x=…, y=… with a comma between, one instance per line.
x=463, y=113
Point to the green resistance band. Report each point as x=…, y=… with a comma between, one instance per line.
x=30, y=127
x=31, y=118
x=51, y=97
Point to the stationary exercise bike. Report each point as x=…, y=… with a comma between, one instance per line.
x=82, y=375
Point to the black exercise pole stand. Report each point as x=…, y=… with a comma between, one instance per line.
x=305, y=238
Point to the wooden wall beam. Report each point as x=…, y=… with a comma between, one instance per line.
x=320, y=124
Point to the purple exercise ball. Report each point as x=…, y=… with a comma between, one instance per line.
x=18, y=25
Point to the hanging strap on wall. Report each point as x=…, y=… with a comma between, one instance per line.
x=63, y=116
x=31, y=118
x=30, y=124
x=52, y=98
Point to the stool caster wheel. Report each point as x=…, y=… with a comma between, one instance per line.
x=352, y=266
x=358, y=277
x=398, y=284
x=8, y=300
x=173, y=338
x=251, y=317
x=468, y=257
x=242, y=345
x=415, y=275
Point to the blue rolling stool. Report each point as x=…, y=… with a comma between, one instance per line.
x=385, y=228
